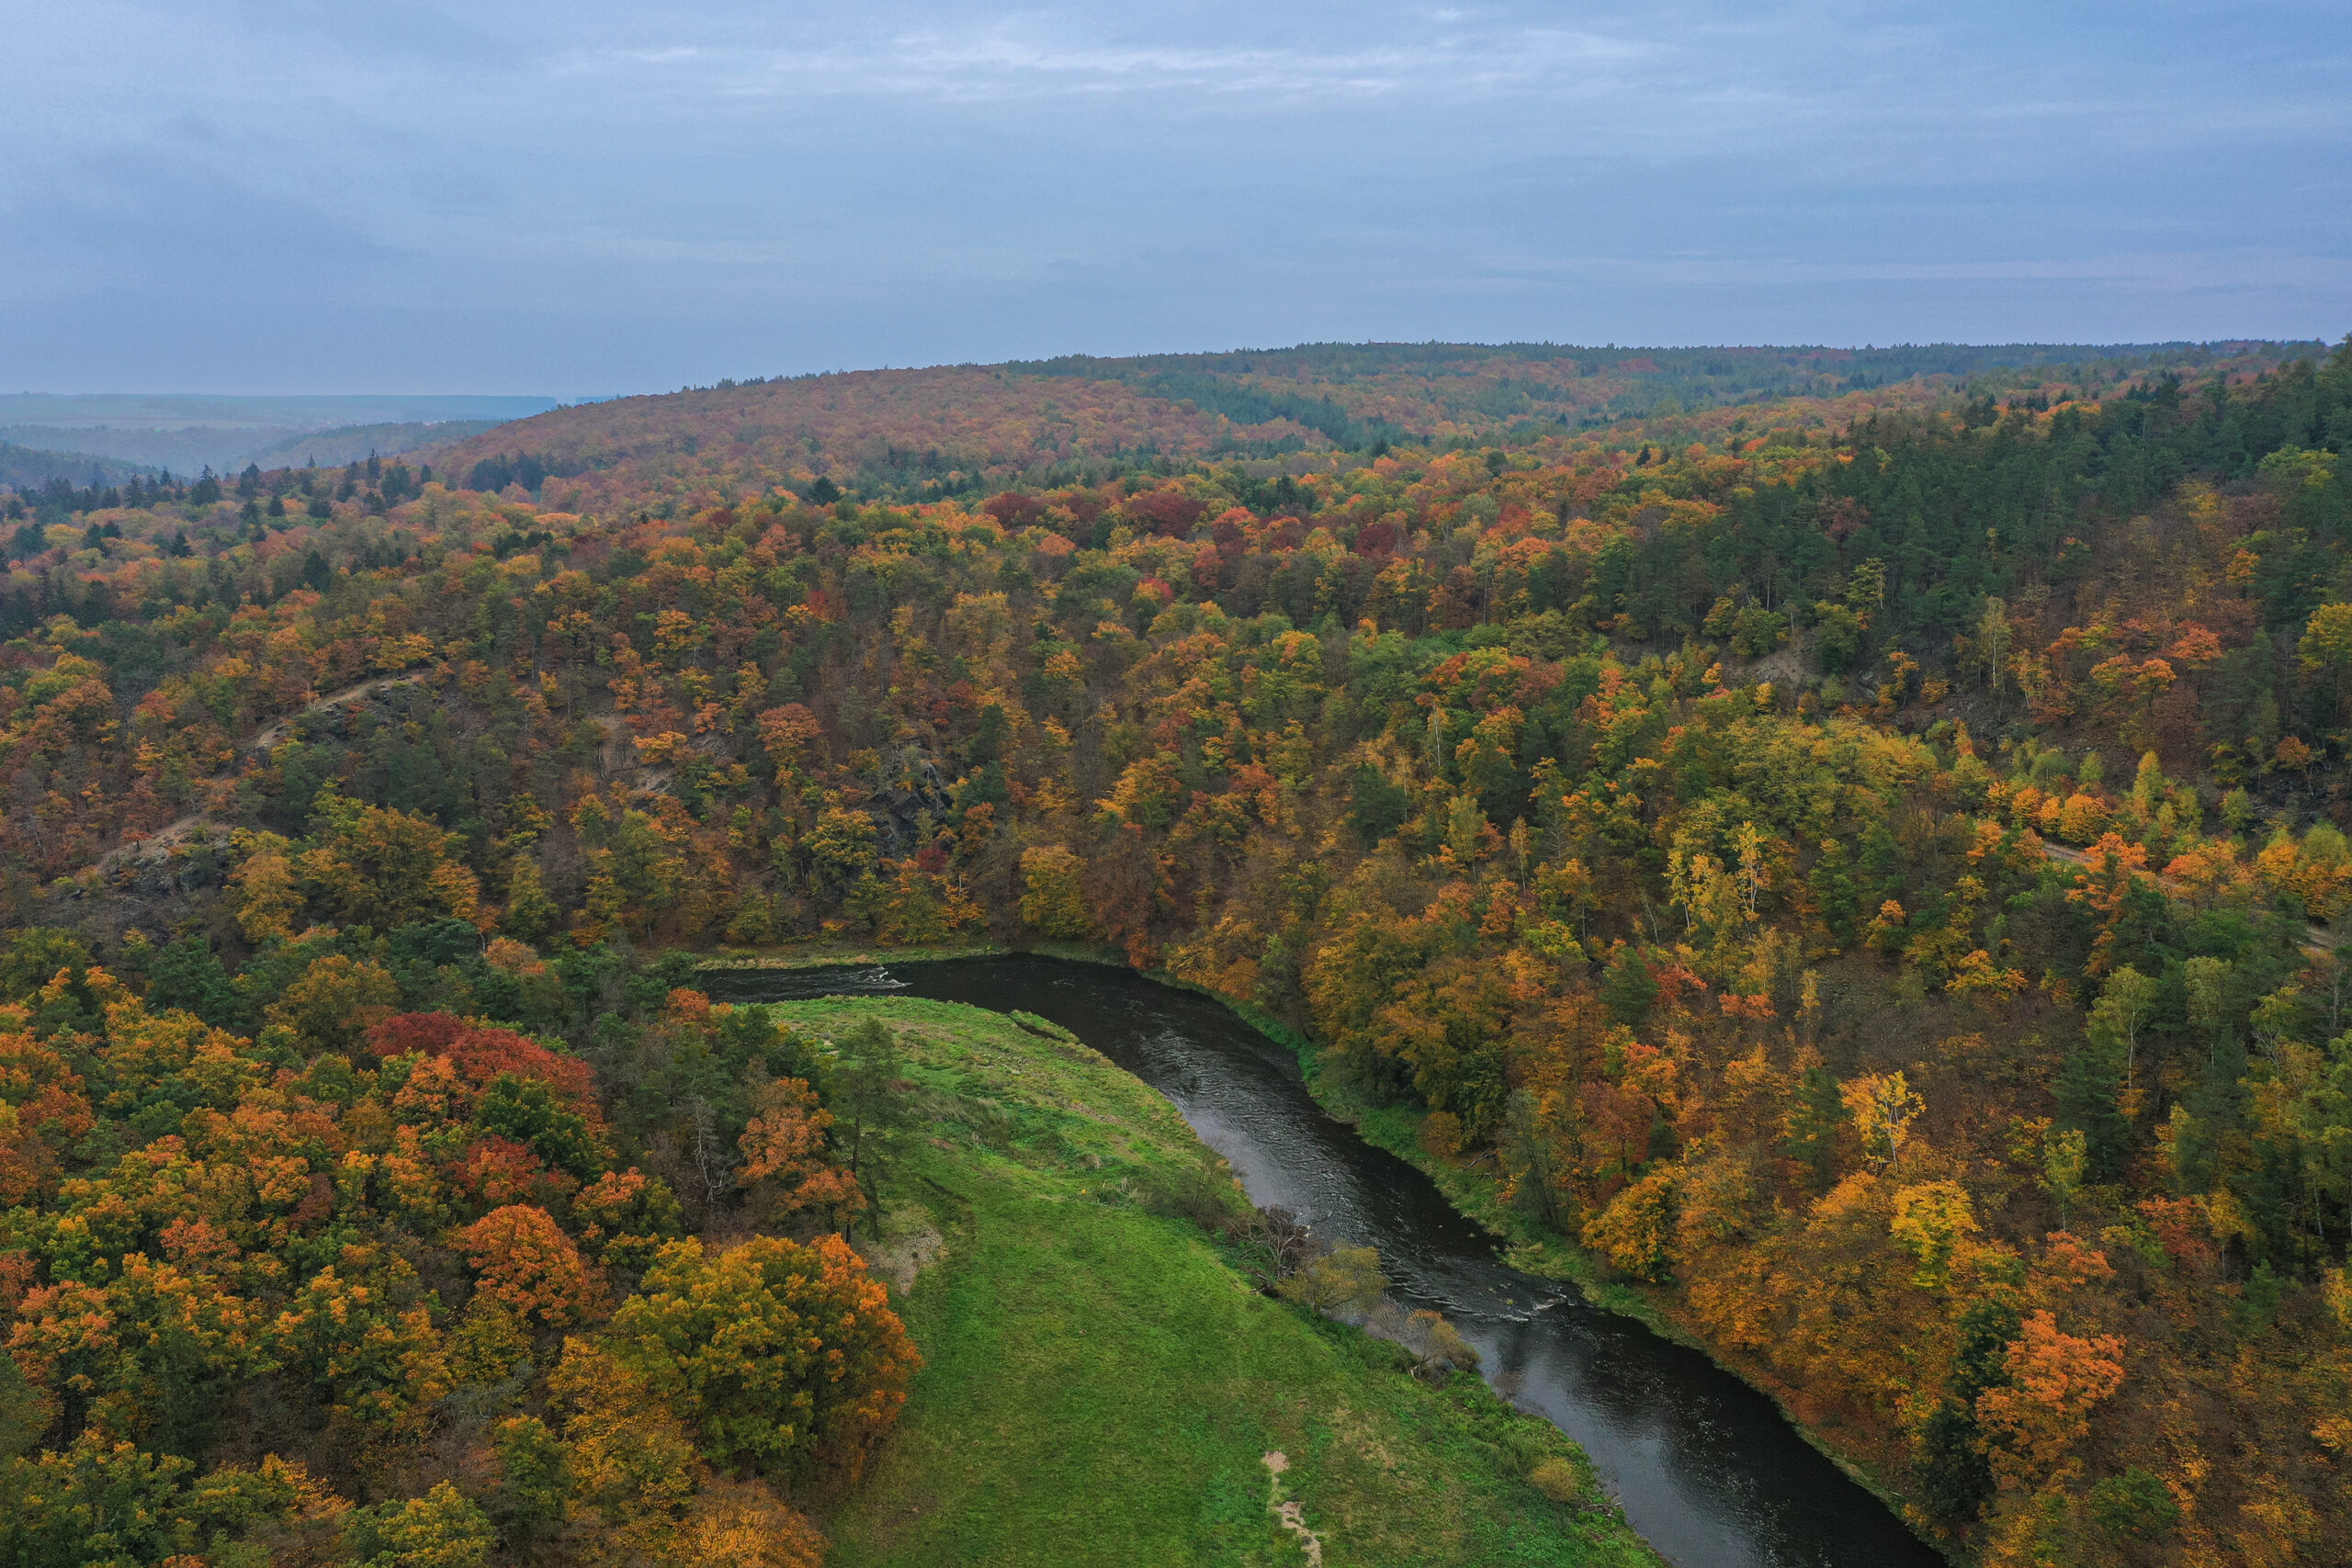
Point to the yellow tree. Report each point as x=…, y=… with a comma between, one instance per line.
x=786, y=1355
x=1882, y=1107
x=381, y=867
x=1052, y=899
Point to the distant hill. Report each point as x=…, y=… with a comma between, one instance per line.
x=927, y=434
x=350, y=442
x=168, y=410
x=29, y=468
x=186, y=432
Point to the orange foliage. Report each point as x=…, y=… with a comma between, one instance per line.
x=527, y=1264
x=2055, y=1379
x=786, y=1153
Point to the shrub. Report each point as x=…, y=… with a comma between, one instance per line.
x=1340, y=1280
x=1442, y=1133
x=2134, y=1506
x=1192, y=1193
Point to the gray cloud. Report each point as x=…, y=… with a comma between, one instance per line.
x=520, y=195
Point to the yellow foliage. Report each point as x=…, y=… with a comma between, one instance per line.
x=1636, y=1231
x=1052, y=900
x=1929, y=1222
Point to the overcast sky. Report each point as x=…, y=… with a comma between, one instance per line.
x=590, y=195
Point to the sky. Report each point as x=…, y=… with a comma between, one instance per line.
x=574, y=197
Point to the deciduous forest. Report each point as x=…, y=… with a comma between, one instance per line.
x=1854, y=842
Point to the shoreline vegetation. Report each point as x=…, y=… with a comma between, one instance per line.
x=1529, y=1246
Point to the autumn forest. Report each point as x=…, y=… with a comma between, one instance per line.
x=1849, y=845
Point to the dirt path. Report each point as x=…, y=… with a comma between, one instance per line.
x=2316, y=938
x=1291, y=1513
x=271, y=734
x=159, y=843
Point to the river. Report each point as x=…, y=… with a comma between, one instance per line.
x=1707, y=1468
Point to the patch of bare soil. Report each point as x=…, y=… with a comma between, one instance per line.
x=1290, y=1512
x=909, y=1245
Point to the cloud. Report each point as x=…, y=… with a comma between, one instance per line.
x=611, y=193
x=1022, y=59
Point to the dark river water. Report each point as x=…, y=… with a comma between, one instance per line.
x=1705, y=1466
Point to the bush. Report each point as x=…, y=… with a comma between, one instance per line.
x=1348, y=1279
x=1437, y=1349
x=2134, y=1506
x=1442, y=1133
x=1277, y=1242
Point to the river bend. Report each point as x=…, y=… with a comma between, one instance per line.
x=1706, y=1467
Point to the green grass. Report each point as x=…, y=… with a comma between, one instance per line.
x=1100, y=1385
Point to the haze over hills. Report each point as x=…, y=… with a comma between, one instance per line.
x=188, y=432
x=31, y=468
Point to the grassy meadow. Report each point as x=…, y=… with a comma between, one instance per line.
x=1102, y=1385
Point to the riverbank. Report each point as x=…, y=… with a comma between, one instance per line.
x=1475, y=1193
x=1100, y=1385
x=1533, y=1246
x=1537, y=1249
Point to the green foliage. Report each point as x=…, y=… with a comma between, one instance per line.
x=1376, y=808
x=533, y=1478
x=2090, y=1093
x=1813, y=1126
x=861, y=1086
x=1627, y=988
x=528, y=1112
x=35, y=956
x=444, y=1528
x=2132, y=1506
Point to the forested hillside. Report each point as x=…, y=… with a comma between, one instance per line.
x=971, y=431
x=1861, y=863
x=31, y=468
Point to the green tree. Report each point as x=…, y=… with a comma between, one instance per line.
x=2132, y=1506
x=2063, y=1163
x=2122, y=1010
x=1376, y=808
x=444, y=1528
x=1627, y=988
x=868, y=1104
x=2090, y=1101
x=530, y=914
x=1813, y=1126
